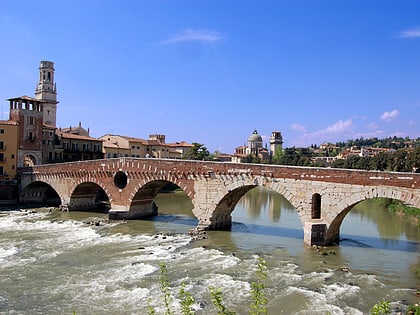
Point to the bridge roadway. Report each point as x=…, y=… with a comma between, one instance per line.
x=321, y=196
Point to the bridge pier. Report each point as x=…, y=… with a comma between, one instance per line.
x=221, y=221
x=82, y=203
x=315, y=233
x=140, y=209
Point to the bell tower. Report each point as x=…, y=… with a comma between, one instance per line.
x=276, y=142
x=46, y=91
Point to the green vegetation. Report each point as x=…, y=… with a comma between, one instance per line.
x=259, y=300
x=257, y=307
x=413, y=309
x=217, y=300
x=186, y=301
x=197, y=152
x=398, y=207
x=380, y=308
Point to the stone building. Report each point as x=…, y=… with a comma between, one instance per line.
x=254, y=148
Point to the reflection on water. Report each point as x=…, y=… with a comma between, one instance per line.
x=388, y=225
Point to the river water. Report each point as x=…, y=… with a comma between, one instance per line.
x=53, y=262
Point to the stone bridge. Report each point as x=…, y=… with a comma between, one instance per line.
x=321, y=196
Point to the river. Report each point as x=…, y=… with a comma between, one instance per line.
x=52, y=262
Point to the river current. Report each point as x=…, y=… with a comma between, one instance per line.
x=54, y=262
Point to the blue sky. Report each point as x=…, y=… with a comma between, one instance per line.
x=212, y=71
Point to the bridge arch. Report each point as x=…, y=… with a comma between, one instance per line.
x=222, y=215
x=88, y=196
x=142, y=204
x=347, y=204
x=39, y=192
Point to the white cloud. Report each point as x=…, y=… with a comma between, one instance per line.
x=191, y=35
x=410, y=33
x=298, y=127
x=338, y=130
x=388, y=116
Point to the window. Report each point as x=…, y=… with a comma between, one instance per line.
x=12, y=156
x=1, y=171
x=133, y=146
x=51, y=133
x=30, y=136
x=1, y=130
x=1, y=157
x=31, y=120
x=50, y=142
x=96, y=147
x=1, y=145
x=316, y=206
x=85, y=147
x=74, y=146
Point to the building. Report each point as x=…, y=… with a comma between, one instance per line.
x=75, y=144
x=46, y=91
x=27, y=113
x=8, y=149
x=276, y=142
x=255, y=149
x=154, y=147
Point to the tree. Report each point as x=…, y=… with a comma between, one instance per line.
x=277, y=156
x=197, y=152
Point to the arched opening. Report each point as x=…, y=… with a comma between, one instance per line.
x=264, y=217
x=89, y=196
x=39, y=194
x=375, y=220
x=316, y=206
x=29, y=160
x=166, y=203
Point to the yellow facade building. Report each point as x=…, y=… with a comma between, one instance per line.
x=9, y=135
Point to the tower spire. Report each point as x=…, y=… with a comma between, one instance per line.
x=46, y=90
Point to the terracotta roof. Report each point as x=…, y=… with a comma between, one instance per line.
x=27, y=98
x=132, y=139
x=78, y=137
x=179, y=144
x=8, y=122
x=48, y=126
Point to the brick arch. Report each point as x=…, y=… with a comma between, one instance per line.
x=89, y=189
x=347, y=204
x=38, y=192
x=145, y=190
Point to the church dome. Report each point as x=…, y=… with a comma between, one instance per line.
x=255, y=137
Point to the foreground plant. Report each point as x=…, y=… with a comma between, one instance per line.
x=259, y=300
x=380, y=308
x=164, y=287
x=187, y=301
x=217, y=300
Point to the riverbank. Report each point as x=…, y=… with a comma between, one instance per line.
x=397, y=207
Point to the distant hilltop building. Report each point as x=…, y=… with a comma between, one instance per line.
x=255, y=147
x=30, y=136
